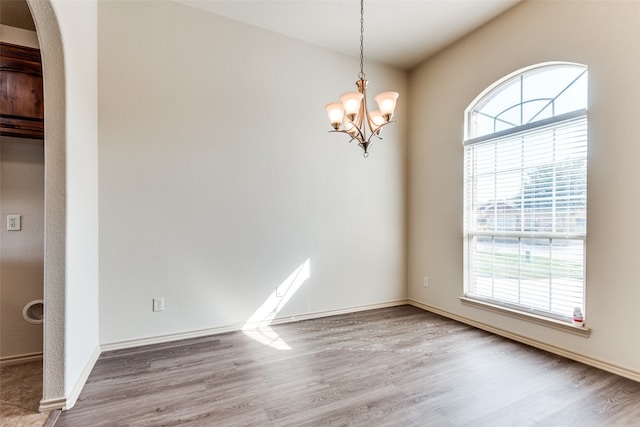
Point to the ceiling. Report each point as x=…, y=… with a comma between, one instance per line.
x=397, y=32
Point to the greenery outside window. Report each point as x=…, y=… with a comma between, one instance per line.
x=526, y=191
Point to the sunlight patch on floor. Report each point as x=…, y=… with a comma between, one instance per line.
x=258, y=326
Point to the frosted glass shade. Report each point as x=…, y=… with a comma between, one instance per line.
x=351, y=102
x=387, y=102
x=335, y=112
x=376, y=118
x=350, y=128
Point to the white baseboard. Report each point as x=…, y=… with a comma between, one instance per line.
x=84, y=375
x=69, y=401
x=600, y=364
x=159, y=339
x=52, y=404
x=319, y=314
x=20, y=358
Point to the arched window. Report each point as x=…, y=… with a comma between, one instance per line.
x=525, y=191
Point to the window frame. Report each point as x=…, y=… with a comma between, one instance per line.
x=517, y=310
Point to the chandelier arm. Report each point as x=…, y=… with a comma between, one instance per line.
x=363, y=118
x=363, y=114
x=356, y=138
x=376, y=133
x=373, y=128
x=359, y=127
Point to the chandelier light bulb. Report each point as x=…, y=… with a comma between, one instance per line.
x=376, y=117
x=376, y=121
x=387, y=103
x=336, y=113
x=349, y=127
x=351, y=102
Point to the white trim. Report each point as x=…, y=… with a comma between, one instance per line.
x=69, y=401
x=159, y=339
x=548, y=122
x=581, y=331
x=52, y=404
x=20, y=358
x=528, y=234
x=495, y=85
x=82, y=379
x=600, y=364
x=356, y=309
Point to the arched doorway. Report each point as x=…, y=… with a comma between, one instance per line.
x=53, y=390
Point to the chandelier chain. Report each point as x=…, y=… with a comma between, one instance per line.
x=361, y=75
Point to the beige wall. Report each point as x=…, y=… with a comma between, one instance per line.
x=218, y=178
x=602, y=35
x=21, y=252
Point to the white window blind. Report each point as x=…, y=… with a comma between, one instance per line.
x=525, y=216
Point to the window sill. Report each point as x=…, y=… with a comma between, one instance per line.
x=581, y=331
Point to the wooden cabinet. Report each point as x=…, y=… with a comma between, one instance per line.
x=21, y=93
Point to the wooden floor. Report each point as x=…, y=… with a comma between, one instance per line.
x=398, y=366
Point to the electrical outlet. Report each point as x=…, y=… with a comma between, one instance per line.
x=158, y=304
x=14, y=222
x=425, y=281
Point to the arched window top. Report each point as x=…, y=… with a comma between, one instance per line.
x=529, y=95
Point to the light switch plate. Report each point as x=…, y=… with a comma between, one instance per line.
x=14, y=223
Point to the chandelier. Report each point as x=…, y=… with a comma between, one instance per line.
x=351, y=115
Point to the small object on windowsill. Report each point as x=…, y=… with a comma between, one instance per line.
x=578, y=318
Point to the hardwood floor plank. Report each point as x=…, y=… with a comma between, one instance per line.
x=398, y=366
